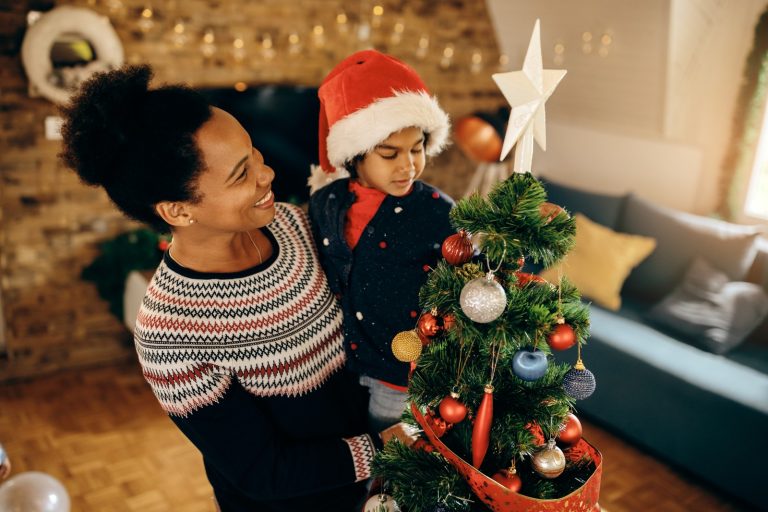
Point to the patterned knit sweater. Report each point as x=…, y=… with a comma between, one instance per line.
x=242, y=361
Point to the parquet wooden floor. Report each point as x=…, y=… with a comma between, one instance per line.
x=102, y=434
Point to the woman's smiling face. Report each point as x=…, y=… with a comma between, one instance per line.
x=235, y=188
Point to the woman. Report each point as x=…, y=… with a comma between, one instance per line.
x=238, y=334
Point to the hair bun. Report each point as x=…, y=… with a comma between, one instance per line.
x=104, y=114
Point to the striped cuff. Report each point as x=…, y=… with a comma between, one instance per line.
x=362, y=455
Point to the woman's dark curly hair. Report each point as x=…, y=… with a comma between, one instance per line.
x=135, y=142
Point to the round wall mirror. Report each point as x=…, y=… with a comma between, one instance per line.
x=64, y=47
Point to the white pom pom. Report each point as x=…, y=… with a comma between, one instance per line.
x=318, y=178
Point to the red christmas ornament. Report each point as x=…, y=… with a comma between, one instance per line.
x=451, y=410
x=481, y=431
x=457, y=249
x=549, y=211
x=562, y=337
x=438, y=425
x=449, y=321
x=509, y=479
x=163, y=244
x=423, y=444
x=571, y=433
x=428, y=326
x=523, y=278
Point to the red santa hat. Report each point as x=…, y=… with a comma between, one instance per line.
x=369, y=96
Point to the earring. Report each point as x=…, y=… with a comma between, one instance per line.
x=191, y=221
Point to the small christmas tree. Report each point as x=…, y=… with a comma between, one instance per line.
x=494, y=409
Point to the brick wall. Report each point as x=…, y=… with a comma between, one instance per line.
x=51, y=224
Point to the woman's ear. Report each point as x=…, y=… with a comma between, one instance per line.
x=173, y=213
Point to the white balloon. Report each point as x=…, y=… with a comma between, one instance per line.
x=33, y=491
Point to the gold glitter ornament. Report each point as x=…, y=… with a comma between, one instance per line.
x=406, y=346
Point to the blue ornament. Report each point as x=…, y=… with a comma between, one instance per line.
x=579, y=382
x=529, y=365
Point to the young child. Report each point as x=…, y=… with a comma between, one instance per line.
x=379, y=231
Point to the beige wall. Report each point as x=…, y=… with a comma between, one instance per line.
x=670, y=78
x=51, y=224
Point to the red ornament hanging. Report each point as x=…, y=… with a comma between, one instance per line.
x=562, y=337
x=509, y=479
x=457, y=249
x=449, y=321
x=423, y=444
x=523, y=278
x=549, y=211
x=481, y=431
x=571, y=432
x=428, y=327
x=451, y=410
x=438, y=425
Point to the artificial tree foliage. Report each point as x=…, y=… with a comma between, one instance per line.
x=506, y=226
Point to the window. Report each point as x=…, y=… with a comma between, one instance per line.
x=756, y=204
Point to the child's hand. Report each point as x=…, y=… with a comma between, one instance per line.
x=404, y=433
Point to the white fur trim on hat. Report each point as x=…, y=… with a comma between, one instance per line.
x=363, y=130
x=318, y=178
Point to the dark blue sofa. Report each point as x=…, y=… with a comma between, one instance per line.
x=704, y=412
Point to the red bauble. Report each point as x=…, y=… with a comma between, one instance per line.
x=523, y=278
x=451, y=410
x=508, y=479
x=457, y=249
x=481, y=431
x=423, y=444
x=449, y=321
x=562, y=337
x=438, y=425
x=549, y=211
x=428, y=326
x=571, y=434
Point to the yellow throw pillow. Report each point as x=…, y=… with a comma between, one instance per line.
x=600, y=261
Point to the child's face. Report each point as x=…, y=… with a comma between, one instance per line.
x=395, y=163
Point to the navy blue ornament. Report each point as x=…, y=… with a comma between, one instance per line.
x=579, y=382
x=529, y=364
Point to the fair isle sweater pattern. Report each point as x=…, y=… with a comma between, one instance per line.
x=277, y=330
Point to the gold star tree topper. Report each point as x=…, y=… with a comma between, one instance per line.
x=526, y=91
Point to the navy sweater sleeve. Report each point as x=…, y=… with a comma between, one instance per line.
x=240, y=443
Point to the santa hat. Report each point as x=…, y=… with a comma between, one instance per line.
x=369, y=96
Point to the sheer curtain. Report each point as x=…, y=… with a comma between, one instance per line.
x=737, y=165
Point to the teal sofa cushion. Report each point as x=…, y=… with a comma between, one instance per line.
x=680, y=237
x=604, y=209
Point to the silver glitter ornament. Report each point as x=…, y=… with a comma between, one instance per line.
x=549, y=462
x=482, y=299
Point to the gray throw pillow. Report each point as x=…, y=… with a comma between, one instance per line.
x=681, y=237
x=711, y=311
